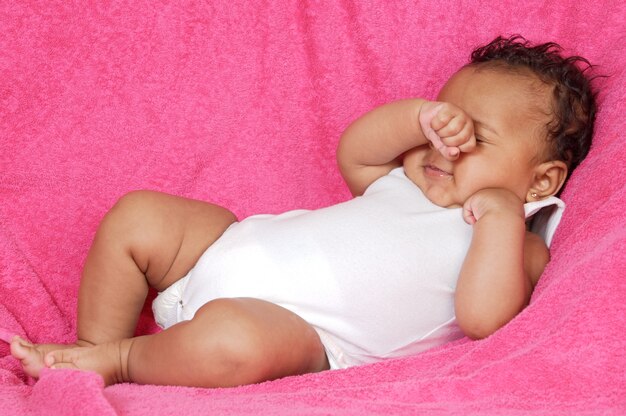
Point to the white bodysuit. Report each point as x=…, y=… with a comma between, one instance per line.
x=375, y=276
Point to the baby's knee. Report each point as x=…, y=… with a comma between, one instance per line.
x=130, y=215
x=132, y=205
x=240, y=340
x=237, y=341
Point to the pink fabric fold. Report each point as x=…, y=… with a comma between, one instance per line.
x=242, y=104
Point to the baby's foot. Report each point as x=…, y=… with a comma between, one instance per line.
x=109, y=360
x=33, y=356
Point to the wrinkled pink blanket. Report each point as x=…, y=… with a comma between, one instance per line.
x=242, y=104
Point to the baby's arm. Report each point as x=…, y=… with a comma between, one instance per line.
x=374, y=144
x=502, y=265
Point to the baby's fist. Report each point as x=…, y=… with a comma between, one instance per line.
x=448, y=128
x=492, y=201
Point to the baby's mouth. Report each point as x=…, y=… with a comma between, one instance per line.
x=436, y=172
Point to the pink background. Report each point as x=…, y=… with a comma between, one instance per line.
x=242, y=104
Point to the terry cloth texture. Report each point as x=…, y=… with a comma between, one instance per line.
x=242, y=104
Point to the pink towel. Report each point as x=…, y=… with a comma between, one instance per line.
x=242, y=104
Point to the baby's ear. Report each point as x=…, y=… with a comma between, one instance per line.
x=548, y=180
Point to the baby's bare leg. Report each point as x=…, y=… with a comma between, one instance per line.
x=229, y=342
x=148, y=239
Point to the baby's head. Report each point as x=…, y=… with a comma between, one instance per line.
x=573, y=106
x=533, y=113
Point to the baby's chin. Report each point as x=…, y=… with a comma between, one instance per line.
x=447, y=205
x=443, y=201
x=435, y=194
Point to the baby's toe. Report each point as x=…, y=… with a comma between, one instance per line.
x=58, y=357
x=21, y=349
x=29, y=355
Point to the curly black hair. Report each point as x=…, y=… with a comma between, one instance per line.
x=574, y=98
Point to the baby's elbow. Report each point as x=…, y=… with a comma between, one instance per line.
x=480, y=321
x=478, y=331
x=477, y=326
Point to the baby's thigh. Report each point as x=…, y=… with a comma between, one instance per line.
x=261, y=340
x=169, y=233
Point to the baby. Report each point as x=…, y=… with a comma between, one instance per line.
x=436, y=244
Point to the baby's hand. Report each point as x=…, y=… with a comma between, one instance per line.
x=491, y=201
x=448, y=128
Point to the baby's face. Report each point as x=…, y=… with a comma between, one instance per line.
x=510, y=113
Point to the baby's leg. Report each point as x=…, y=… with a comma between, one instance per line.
x=229, y=342
x=147, y=239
